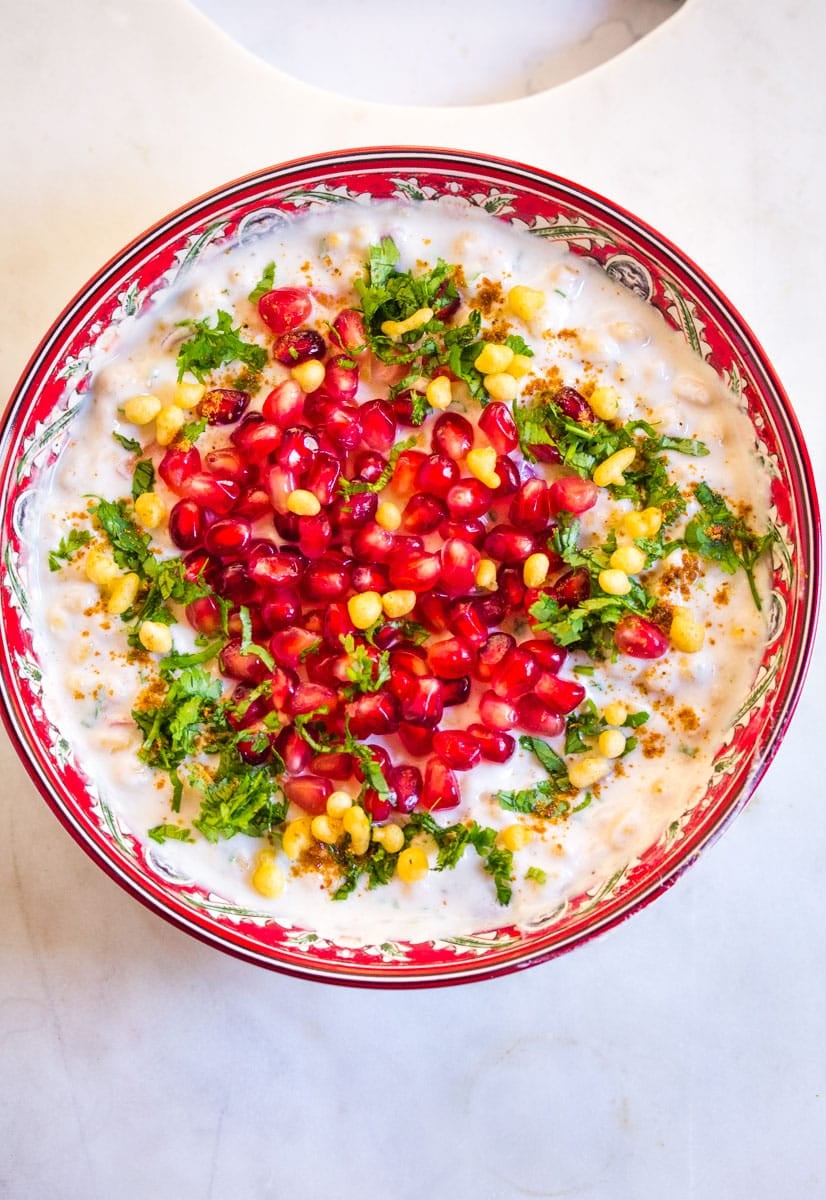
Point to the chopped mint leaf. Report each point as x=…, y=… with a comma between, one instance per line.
x=143, y=477
x=537, y=875
x=128, y=443
x=166, y=833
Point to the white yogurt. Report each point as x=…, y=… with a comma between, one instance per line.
x=591, y=331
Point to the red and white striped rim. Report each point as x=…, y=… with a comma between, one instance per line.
x=534, y=193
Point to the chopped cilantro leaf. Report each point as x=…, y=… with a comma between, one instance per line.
x=191, y=431
x=172, y=728
x=365, y=672
x=716, y=534
x=130, y=545
x=68, y=546
x=518, y=344
x=537, y=875
x=584, y=723
x=211, y=346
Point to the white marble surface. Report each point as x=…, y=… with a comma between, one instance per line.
x=683, y=1053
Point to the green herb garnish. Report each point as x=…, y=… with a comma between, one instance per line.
x=716, y=534
x=211, y=346
x=265, y=284
x=68, y=547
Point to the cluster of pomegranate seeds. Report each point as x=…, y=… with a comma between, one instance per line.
x=281, y=521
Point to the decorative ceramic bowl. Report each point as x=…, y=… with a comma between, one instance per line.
x=53, y=388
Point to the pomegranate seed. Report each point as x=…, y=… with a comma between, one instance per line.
x=403, y=408
x=416, y=739
x=571, y=588
x=515, y=674
x=336, y=624
x=348, y=330
x=298, y=449
x=350, y=512
x=253, y=504
x=416, y=570
x=283, y=683
x=574, y=405
x=204, y=615
x=468, y=498
x=309, y=697
x=466, y=621
x=341, y=377
x=572, y=494
x=227, y=463
x=412, y=659
x=377, y=806
x=326, y=578
x=372, y=543
x=378, y=424
x=406, y=782
x=322, y=478
x=508, y=544
x=286, y=525
x=495, y=746
x=294, y=751
x=309, y=792
x=380, y=756
x=274, y=570
x=337, y=765
x=534, y=717
x=639, y=638
x=441, y=787
x=559, y=695
x=229, y=537
x=511, y=587
x=233, y=583
x=248, y=668
x=199, y=566
x=368, y=465
x=316, y=406
x=450, y=658
x=284, y=405
x=459, y=750
x=255, y=438
x=256, y=748
x=425, y=706
x=499, y=427
x=177, y=467
x=298, y=346
x=436, y=475
x=314, y=535
x=281, y=608
x=452, y=436
x=326, y=669
x=209, y=492
x=422, y=513
x=471, y=530
x=402, y=684
x=509, y=477
x=342, y=425
x=433, y=611
x=406, y=470
x=290, y=646
x=455, y=691
x=284, y=308
x=368, y=578
x=491, y=609
x=459, y=562
x=530, y=507
x=186, y=524
x=497, y=646
x=543, y=452
x=375, y=713
x=549, y=656
x=223, y=406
